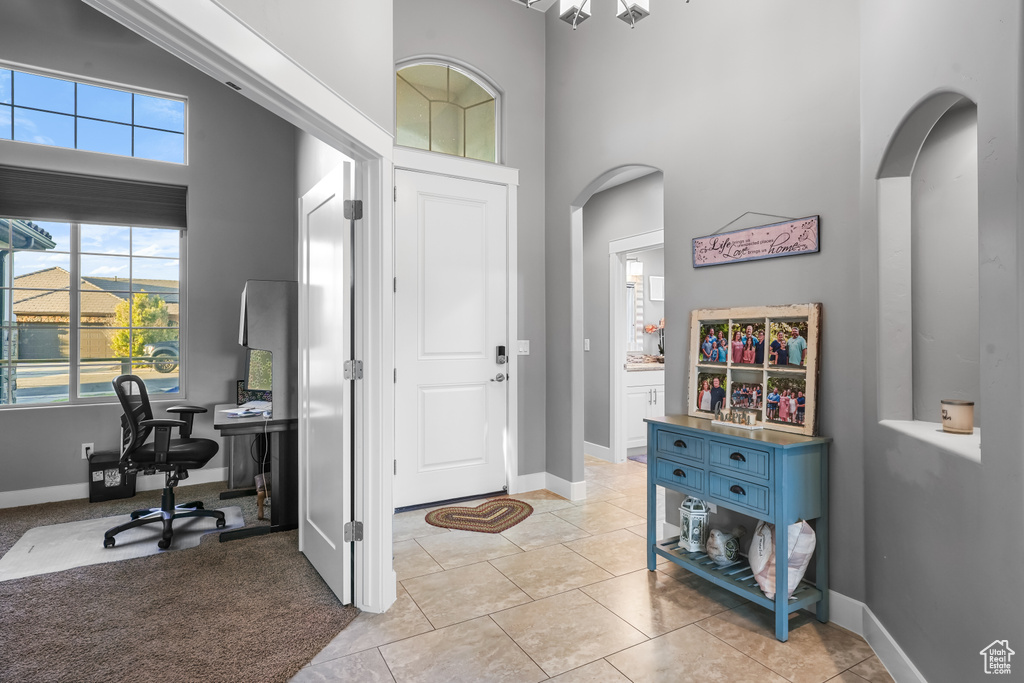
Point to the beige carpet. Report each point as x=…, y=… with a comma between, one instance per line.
x=249, y=610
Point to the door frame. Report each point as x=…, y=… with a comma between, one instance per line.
x=617, y=250
x=204, y=34
x=418, y=161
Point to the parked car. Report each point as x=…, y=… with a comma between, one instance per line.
x=164, y=354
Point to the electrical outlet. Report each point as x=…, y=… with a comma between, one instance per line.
x=87, y=449
x=586, y=344
x=712, y=508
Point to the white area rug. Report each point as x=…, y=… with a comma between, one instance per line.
x=57, y=547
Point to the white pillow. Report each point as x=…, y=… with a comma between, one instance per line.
x=762, y=555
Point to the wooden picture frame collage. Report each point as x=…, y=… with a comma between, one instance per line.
x=761, y=360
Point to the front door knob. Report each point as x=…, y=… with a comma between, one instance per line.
x=500, y=377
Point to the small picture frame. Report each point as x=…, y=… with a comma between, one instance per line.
x=763, y=361
x=657, y=284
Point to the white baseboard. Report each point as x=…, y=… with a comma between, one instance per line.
x=602, y=452
x=854, y=615
x=573, y=490
x=846, y=612
x=889, y=652
x=53, y=494
x=529, y=482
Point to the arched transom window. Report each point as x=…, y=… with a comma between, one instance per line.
x=442, y=108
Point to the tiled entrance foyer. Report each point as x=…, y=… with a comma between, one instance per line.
x=566, y=596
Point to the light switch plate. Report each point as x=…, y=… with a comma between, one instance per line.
x=586, y=344
x=524, y=347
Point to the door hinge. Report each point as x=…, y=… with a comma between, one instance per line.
x=353, y=531
x=396, y=375
x=396, y=193
x=394, y=285
x=353, y=369
x=353, y=209
x=396, y=466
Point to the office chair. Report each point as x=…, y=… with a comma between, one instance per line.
x=175, y=457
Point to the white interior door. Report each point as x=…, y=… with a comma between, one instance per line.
x=325, y=396
x=451, y=392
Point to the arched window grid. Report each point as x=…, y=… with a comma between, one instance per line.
x=447, y=108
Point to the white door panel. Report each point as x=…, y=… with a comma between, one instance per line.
x=451, y=315
x=325, y=410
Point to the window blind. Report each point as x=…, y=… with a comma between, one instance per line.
x=48, y=195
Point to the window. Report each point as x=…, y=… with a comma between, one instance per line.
x=443, y=109
x=61, y=343
x=63, y=113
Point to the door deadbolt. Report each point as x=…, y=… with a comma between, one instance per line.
x=500, y=356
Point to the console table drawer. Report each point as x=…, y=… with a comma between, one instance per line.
x=681, y=445
x=747, y=460
x=680, y=476
x=739, y=493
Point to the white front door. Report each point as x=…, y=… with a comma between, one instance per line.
x=325, y=396
x=451, y=392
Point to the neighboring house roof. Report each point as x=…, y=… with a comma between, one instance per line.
x=168, y=289
x=96, y=300
x=25, y=235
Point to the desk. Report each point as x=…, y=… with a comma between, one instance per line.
x=283, y=438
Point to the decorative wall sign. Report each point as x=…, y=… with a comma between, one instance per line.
x=799, y=236
x=757, y=362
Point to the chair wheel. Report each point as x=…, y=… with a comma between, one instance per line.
x=221, y=523
x=109, y=542
x=164, y=543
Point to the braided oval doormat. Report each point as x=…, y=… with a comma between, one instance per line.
x=492, y=517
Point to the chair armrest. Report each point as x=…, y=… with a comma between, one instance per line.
x=187, y=414
x=186, y=409
x=162, y=438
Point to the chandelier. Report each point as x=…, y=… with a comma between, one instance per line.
x=575, y=12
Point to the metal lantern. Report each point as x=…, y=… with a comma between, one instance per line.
x=693, y=525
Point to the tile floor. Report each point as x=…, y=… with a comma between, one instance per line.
x=566, y=596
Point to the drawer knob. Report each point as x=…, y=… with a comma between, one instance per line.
x=737, y=489
x=737, y=456
x=679, y=473
x=680, y=443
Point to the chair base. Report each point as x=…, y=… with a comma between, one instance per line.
x=165, y=514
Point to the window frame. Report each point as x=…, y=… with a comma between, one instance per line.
x=99, y=83
x=478, y=77
x=75, y=324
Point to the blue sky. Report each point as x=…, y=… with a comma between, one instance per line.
x=52, y=111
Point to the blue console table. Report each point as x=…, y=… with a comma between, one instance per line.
x=770, y=475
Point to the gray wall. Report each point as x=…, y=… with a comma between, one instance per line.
x=944, y=232
x=344, y=43
x=748, y=106
x=241, y=179
x=505, y=42
x=630, y=209
x=943, y=547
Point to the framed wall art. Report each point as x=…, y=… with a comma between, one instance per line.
x=760, y=363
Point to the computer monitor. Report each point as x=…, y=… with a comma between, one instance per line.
x=259, y=370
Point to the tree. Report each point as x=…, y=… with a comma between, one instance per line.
x=140, y=312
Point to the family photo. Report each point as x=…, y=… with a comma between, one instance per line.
x=786, y=400
x=747, y=343
x=714, y=347
x=746, y=396
x=710, y=392
x=788, y=343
